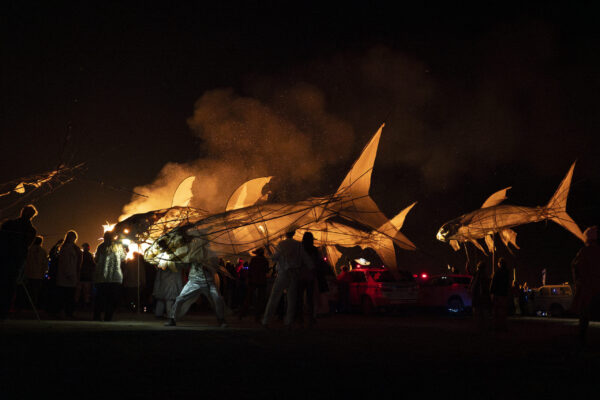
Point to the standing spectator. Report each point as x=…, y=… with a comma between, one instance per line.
x=290, y=256
x=50, y=292
x=343, y=284
x=146, y=292
x=134, y=279
x=241, y=281
x=167, y=286
x=480, y=296
x=86, y=277
x=499, y=290
x=108, y=277
x=307, y=280
x=229, y=284
x=257, y=284
x=16, y=235
x=67, y=277
x=36, y=266
x=586, y=275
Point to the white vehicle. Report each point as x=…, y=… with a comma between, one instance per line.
x=552, y=300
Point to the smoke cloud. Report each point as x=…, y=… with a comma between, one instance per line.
x=294, y=139
x=307, y=124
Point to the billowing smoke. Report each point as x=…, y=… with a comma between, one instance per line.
x=308, y=121
x=293, y=139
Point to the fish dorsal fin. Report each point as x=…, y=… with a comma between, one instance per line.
x=183, y=194
x=358, y=180
x=248, y=194
x=496, y=198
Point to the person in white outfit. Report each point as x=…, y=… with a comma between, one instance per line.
x=290, y=256
x=200, y=282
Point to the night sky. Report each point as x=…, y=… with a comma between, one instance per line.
x=474, y=100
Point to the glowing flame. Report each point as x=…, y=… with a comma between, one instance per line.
x=134, y=248
x=108, y=227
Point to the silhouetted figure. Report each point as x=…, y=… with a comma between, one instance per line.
x=480, y=296
x=307, y=281
x=167, y=286
x=36, y=266
x=290, y=256
x=241, y=283
x=108, y=277
x=343, y=284
x=257, y=284
x=500, y=290
x=67, y=277
x=586, y=275
x=16, y=236
x=229, y=284
x=86, y=277
x=134, y=279
x=51, y=292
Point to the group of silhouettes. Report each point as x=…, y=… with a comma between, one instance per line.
x=69, y=278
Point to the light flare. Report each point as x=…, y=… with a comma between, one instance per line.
x=134, y=248
x=108, y=227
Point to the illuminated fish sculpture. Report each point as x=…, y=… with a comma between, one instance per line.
x=494, y=217
x=347, y=217
x=139, y=231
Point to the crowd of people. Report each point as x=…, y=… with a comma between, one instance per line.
x=494, y=294
x=70, y=279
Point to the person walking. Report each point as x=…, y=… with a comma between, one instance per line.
x=108, y=277
x=67, y=276
x=586, y=275
x=200, y=282
x=290, y=256
x=16, y=236
x=257, y=284
x=36, y=266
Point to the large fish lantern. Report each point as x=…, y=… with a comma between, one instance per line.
x=494, y=217
x=348, y=217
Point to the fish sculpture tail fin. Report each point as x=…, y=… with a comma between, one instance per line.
x=392, y=229
x=557, y=206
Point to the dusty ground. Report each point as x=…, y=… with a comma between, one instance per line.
x=344, y=355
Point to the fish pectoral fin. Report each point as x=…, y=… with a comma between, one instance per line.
x=489, y=242
x=509, y=236
x=455, y=245
x=476, y=243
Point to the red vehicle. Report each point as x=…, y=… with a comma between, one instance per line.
x=374, y=288
x=448, y=291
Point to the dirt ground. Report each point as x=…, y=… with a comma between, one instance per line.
x=343, y=355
